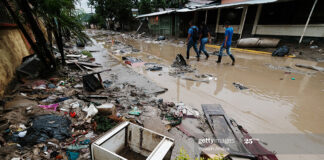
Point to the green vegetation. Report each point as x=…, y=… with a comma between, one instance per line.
x=145, y=7
x=120, y=10
x=87, y=53
x=116, y=10
x=60, y=18
x=183, y=155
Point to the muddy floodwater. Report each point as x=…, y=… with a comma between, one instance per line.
x=282, y=99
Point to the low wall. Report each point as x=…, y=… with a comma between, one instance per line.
x=313, y=30
x=13, y=48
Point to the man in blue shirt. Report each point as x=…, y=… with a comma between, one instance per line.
x=227, y=43
x=192, y=39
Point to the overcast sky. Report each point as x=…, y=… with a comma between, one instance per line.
x=84, y=6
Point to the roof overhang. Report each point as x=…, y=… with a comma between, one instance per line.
x=156, y=13
x=209, y=7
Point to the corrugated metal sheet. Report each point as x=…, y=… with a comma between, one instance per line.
x=156, y=13
x=208, y=7
x=251, y=2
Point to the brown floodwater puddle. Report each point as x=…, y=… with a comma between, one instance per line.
x=274, y=103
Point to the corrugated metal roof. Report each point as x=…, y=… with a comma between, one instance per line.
x=209, y=7
x=156, y=13
x=250, y=2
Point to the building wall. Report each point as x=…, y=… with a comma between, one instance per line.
x=13, y=48
x=313, y=30
x=289, y=19
x=161, y=25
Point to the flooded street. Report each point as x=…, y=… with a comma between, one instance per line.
x=280, y=99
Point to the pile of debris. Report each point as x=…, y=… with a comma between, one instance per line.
x=122, y=48
x=180, y=66
x=59, y=116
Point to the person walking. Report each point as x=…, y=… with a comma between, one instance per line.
x=227, y=43
x=204, y=38
x=192, y=39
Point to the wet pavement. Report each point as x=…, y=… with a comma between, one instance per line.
x=281, y=99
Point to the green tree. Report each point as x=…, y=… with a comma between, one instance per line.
x=145, y=7
x=116, y=10
x=176, y=3
x=159, y=4
x=61, y=19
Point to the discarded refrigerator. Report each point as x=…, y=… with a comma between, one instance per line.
x=133, y=142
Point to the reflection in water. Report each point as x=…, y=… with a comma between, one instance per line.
x=219, y=84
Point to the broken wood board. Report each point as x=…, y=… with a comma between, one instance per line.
x=227, y=136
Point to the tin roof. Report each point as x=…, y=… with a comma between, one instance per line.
x=208, y=7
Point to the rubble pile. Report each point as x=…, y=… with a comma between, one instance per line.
x=179, y=67
x=59, y=116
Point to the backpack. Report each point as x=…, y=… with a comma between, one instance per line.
x=195, y=34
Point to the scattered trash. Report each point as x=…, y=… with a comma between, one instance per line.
x=179, y=61
x=90, y=135
x=30, y=68
x=39, y=84
x=155, y=68
x=72, y=114
x=187, y=111
x=91, y=111
x=22, y=134
x=135, y=62
x=77, y=147
x=281, y=51
x=72, y=155
x=45, y=127
x=92, y=83
x=160, y=38
x=50, y=107
x=51, y=85
x=85, y=142
x=135, y=111
x=239, y=86
x=107, y=109
x=313, y=47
